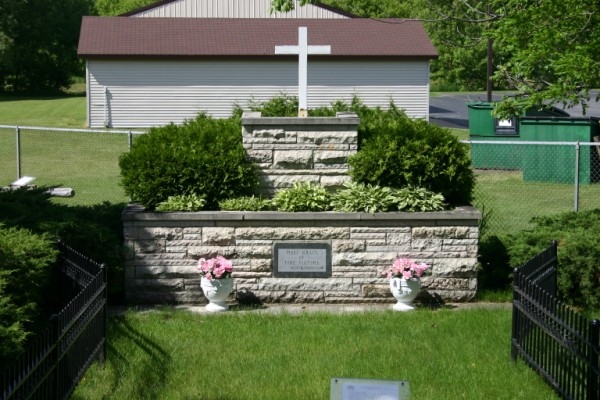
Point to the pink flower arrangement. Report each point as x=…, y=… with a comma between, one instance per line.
x=405, y=268
x=215, y=268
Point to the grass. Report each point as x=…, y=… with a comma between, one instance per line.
x=443, y=354
x=85, y=162
x=511, y=202
x=67, y=111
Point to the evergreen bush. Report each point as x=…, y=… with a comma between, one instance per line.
x=203, y=157
x=26, y=279
x=578, y=253
x=397, y=151
x=96, y=230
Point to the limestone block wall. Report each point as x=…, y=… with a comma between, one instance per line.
x=163, y=249
x=287, y=150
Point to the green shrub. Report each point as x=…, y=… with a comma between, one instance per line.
x=203, y=156
x=281, y=106
x=96, y=231
x=246, y=203
x=495, y=272
x=303, y=196
x=400, y=151
x=192, y=202
x=578, y=253
x=26, y=280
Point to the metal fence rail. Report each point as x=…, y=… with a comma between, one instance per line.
x=559, y=343
x=58, y=358
x=516, y=180
x=519, y=180
x=85, y=160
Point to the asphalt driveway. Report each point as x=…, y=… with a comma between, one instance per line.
x=450, y=110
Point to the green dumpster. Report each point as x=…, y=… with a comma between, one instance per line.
x=556, y=163
x=484, y=126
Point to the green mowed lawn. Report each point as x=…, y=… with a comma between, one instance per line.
x=443, y=354
x=64, y=112
x=84, y=161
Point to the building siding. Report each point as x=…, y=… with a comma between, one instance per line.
x=233, y=9
x=129, y=94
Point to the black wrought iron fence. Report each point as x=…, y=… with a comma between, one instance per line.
x=559, y=343
x=58, y=358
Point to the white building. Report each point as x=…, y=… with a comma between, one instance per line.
x=168, y=62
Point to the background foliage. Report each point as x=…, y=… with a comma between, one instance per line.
x=548, y=51
x=38, y=40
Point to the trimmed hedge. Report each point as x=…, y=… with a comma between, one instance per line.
x=397, y=151
x=202, y=157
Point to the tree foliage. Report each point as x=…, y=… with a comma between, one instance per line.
x=554, y=49
x=547, y=51
x=38, y=42
x=118, y=7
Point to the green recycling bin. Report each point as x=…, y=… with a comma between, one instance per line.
x=556, y=163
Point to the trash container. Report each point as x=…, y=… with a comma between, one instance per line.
x=556, y=163
x=484, y=126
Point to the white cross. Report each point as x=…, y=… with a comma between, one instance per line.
x=303, y=50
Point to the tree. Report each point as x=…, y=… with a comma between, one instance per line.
x=38, y=42
x=554, y=49
x=547, y=51
x=462, y=48
x=118, y=7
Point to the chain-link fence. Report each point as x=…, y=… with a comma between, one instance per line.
x=80, y=159
x=516, y=180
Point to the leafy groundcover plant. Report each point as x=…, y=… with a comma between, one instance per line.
x=192, y=202
x=353, y=197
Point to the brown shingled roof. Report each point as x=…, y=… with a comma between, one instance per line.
x=199, y=37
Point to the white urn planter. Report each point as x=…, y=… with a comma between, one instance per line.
x=405, y=291
x=216, y=292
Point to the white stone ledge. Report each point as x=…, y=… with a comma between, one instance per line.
x=464, y=216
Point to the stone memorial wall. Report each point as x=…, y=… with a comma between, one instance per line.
x=163, y=249
x=326, y=257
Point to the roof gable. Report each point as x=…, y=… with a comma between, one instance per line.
x=234, y=9
x=227, y=37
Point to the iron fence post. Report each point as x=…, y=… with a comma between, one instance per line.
x=55, y=328
x=515, y=317
x=593, y=373
x=103, y=268
x=129, y=139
